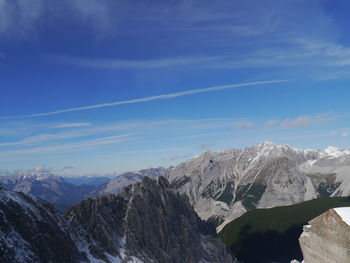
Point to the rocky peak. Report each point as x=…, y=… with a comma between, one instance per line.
x=147, y=222
x=150, y=222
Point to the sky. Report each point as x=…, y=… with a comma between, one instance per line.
x=104, y=86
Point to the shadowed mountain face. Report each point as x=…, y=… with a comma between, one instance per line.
x=147, y=222
x=273, y=233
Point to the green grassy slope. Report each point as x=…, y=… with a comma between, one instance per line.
x=276, y=229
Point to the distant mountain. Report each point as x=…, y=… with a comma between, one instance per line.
x=46, y=187
x=88, y=180
x=117, y=184
x=223, y=185
x=147, y=222
x=273, y=233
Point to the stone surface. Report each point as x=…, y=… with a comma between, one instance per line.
x=326, y=239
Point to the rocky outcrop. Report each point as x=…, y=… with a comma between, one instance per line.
x=147, y=222
x=32, y=233
x=326, y=239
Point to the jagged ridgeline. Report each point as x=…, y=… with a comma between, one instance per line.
x=273, y=233
x=222, y=186
x=147, y=222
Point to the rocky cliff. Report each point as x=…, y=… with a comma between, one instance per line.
x=327, y=238
x=147, y=222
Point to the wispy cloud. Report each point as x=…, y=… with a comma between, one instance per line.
x=21, y=19
x=141, y=64
x=307, y=120
x=206, y=145
x=345, y=133
x=244, y=125
x=176, y=157
x=73, y=146
x=152, y=98
x=68, y=167
x=72, y=125
x=271, y=123
x=40, y=138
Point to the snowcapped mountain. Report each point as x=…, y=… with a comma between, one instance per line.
x=223, y=185
x=117, y=184
x=147, y=222
x=46, y=187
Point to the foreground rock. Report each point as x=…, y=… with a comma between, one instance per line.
x=147, y=222
x=327, y=237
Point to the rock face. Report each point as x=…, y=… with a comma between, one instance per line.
x=147, y=222
x=32, y=233
x=223, y=185
x=326, y=239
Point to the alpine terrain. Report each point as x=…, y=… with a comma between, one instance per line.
x=222, y=186
x=147, y=222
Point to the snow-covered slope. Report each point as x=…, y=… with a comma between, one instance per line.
x=223, y=185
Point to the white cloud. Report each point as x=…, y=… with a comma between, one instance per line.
x=21, y=18
x=307, y=120
x=152, y=98
x=244, y=125
x=18, y=17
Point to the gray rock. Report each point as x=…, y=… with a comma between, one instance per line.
x=223, y=185
x=326, y=239
x=147, y=221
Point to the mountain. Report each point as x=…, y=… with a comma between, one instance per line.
x=117, y=184
x=88, y=180
x=223, y=185
x=274, y=232
x=46, y=187
x=326, y=239
x=32, y=233
x=147, y=222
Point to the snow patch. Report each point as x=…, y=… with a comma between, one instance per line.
x=344, y=213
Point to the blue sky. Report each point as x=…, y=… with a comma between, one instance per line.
x=100, y=86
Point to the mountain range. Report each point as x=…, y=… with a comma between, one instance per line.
x=221, y=186
x=147, y=222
